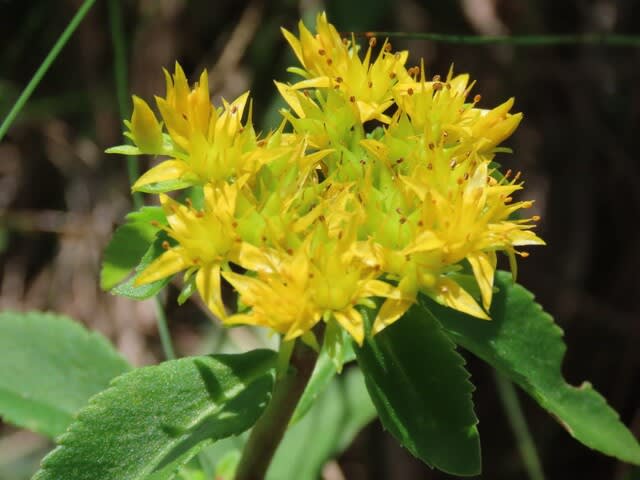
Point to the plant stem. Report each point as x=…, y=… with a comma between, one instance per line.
x=120, y=73
x=509, y=398
x=163, y=330
x=517, y=40
x=270, y=428
x=44, y=66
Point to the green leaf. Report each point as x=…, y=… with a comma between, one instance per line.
x=422, y=392
x=339, y=413
x=50, y=367
x=129, y=243
x=148, y=290
x=154, y=417
x=524, y=343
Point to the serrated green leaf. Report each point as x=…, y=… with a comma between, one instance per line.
x=141, y=292
x=339, y=413
x=128, y=244
x=50, y=367
x=419, y=385
x=154, y=416
x=524, y=343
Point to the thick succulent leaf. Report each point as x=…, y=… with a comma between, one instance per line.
x=49, y=368
x=129, y=243
x=150, y=420
x=337, y=415
x=148, y=290
x=524, y=343
x=419, y=385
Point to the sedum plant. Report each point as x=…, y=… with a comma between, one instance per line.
x=365, y=228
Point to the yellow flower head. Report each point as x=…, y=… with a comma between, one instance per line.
x=321, y=279
x=325, y=214
x=206, y=145
x=207, y=240
x=329, y=61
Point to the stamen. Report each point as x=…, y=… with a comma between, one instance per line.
x=477, y=98
x=166, y=245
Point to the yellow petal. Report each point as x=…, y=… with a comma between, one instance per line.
x=484, y=266
x=257, y=259
x=351, y=321
x=318, y=82
x=165, y=171
x=145, y=128
x=294, y=42
x=208, y=284
x=290, y=96
x=450, y=294
x=170, y=262
x=392, y=309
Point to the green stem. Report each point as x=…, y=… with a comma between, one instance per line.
x=44, y=67
x=517, y=40
x=270, y=428
x=120, y=72
x=163, y=330
x=511, y=404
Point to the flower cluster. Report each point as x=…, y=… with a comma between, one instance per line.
x=379, y=183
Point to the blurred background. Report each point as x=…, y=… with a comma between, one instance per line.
x=61, y=196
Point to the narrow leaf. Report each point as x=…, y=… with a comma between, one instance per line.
x=50, y=367
x=129, y=243
x=524, y=343
x=422, y=392
x=151, y=419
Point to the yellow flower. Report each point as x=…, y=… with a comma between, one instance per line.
x=324, y=215
x=329, y=61
x=144, y=130
x=321, y=279
x=206, y=145
x=207, y=241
